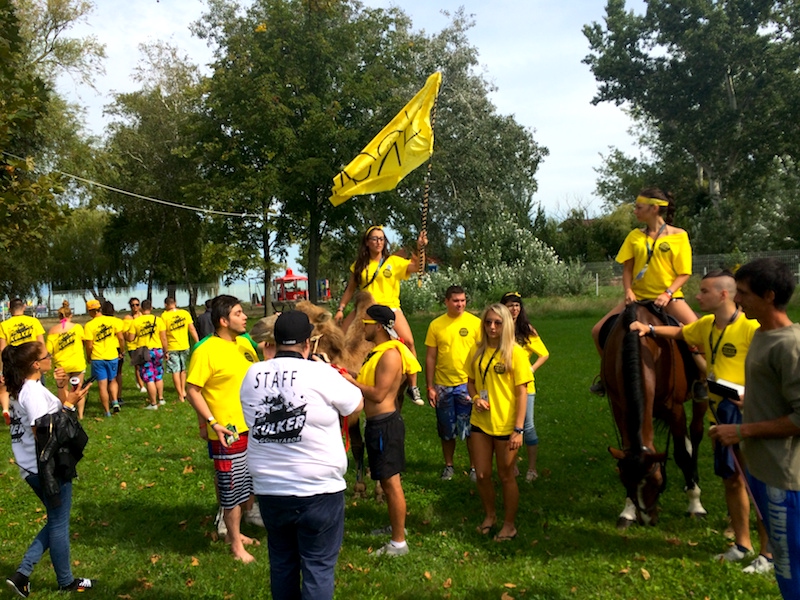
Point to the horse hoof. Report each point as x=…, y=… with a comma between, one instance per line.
x=380, y=497
x=623, y=523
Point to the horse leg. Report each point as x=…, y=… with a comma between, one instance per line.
x=686, y=459
x=628, y=515
x=357, y=445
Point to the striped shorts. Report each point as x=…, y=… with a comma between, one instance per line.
x=234, y=483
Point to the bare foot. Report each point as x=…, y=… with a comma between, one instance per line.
x=243, y=555
x=247, y=541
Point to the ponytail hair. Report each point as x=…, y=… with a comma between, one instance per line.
x=65, y=312
x=18, y=365
x=666, y=212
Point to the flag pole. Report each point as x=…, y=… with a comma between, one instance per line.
x=425, y=196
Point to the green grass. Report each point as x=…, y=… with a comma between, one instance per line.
x=151, y=538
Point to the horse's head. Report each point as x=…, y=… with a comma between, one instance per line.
x=641, y=474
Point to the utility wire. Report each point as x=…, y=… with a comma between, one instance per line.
x=209, y=211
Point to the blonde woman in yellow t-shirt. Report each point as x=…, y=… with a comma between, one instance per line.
x=65, y=344
x=656, y=262
x=498, y=373
x=378, y=272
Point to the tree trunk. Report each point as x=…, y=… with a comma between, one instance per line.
x=314, y=243
x=268, y=309
x=193, y=291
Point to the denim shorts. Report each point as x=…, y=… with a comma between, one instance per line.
x=453, y=410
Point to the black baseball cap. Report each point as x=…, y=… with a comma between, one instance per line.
x=292, y=328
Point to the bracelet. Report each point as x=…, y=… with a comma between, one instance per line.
x=669, y=292
x=652, y=330
x=518, y=430
x=431, y=388
x=739, y=432
x=211, y=421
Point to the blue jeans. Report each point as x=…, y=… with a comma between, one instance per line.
x=529, y=435
x=303, y=535
x=781, y=512
x=453, y=410
x=53, y=536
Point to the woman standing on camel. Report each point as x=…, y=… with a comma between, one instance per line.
x=380, y=273
x=657, y=261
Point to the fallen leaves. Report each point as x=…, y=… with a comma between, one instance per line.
x=188, y=469
x=195, y=562
x=448, y=583
x=645, y=574
x=155, y=558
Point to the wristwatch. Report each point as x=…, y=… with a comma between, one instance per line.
x=519, y=429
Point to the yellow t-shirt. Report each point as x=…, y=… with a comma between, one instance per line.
x=128, y=328
x=218, y=367
x=728, y=362
x=672, y=256
x=500, y=384
x=148, y=330
x=386, y=286
x=534, y=346
x=177, y=323
x=20, y=329
x=103, y=330
x=453, y=339
x=410, y=363
x=66, y=348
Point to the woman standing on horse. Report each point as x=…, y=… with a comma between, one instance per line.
x=657, y=261
x=498, y=373
x=380, y=273
x=527, y=337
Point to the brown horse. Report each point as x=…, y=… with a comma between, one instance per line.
x=646, y=380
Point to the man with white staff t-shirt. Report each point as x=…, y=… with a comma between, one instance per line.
x=297, y=459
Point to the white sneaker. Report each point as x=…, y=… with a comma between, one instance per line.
x=760, y=565
x=391, y=550
x=162, y=402
x=733, y=554
x=151, y=407
x=143, y=389
x=253, y=516
x=416, y=397
x=473, y=475
x=531, y=476
x=219, y=521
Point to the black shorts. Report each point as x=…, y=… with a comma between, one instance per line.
x=500, y=438
x=384, y=437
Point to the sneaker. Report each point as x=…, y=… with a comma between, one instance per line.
x=79, y=584
x=473, y=475
x=413, y=393
x=448, y=472
x=115, y=407
x=108, y=414
x=120, y=401
x=151, y=407
x=20, y=584
x=386, y=531
x=391, y=550
x=531, y=476
x=733, y=554
x=143, y=390
x=761, y=564
x=219, y=521
x=598, y=388
x=162, y=402
x=253, y=516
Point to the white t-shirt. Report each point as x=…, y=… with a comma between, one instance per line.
x=292, y=408
x=34, y=401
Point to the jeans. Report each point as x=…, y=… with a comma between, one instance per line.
x=53, y=536
x=453, y=410
x=304, y=535
x=529, y=435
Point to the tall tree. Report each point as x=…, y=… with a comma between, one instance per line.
x=28, y=207
x=716, y=79
x=147, y=147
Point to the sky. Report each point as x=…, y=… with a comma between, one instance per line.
x=531, y=50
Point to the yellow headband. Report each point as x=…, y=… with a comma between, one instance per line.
x=368, y=321
x=373, y=228
x=651, y=201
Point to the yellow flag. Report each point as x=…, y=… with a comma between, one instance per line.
x=403, y=145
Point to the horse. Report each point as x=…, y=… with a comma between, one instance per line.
x=648, y=381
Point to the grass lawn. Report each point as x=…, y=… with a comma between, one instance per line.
x=144, y=505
